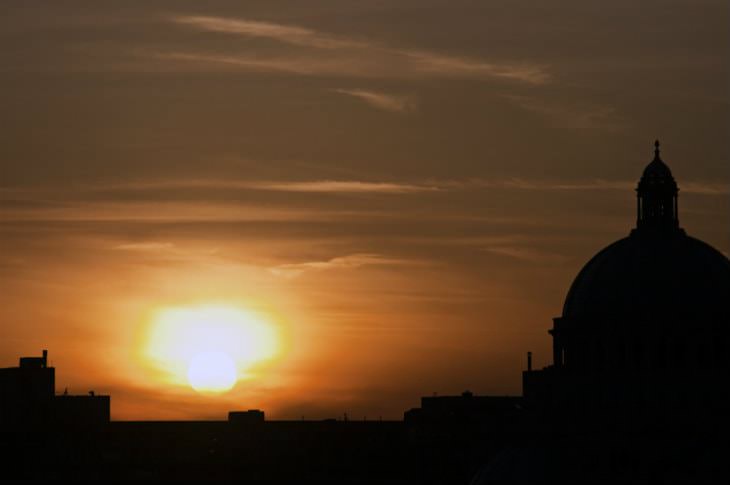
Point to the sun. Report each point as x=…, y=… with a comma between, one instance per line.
x=209, y=347
x=212, y=372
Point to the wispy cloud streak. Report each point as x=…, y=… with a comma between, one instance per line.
x=166, y=212
x=531, y=255
x=314, y=186
x=145, y=246
x=28, y=197
x=288, y=34
x=346, y=186
x=387, y=102
x=571, y=116
x=350, y=261
x=327, y=54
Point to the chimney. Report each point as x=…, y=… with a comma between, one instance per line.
x=529, y=361
x=45, y=358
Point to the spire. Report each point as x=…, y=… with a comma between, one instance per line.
x=657, y=196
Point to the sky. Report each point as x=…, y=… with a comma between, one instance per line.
x=404, y=190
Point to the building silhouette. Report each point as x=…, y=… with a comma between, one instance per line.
x=643, y=336
x=28, y=401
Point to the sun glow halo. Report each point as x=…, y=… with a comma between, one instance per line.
x=209, y=347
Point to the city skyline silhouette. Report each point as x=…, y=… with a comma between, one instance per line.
x=438, y=241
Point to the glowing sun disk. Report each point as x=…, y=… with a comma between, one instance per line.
x=212, y=372
x=209, y=347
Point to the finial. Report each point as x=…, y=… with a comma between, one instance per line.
x=656, y=149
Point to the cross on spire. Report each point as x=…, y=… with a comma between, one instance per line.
x=656, y=149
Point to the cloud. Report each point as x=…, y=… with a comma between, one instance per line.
x=387, y=102
x=171, y=211
x=145, y=246
x=172, y=200
x=530, y=255
x=462, y=67
x=541, y=184
x=345, y=186
x=158, y=253
x=358, y=186
x=577, y=117
x=325, y=54
x=65, y=202
x=324, y=186
x=341, y=262
x=701, y=188
x=283, y=33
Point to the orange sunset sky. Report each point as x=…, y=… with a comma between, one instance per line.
x=399, y=192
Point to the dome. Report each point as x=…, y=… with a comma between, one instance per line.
x=652, y=274
x=658, y=269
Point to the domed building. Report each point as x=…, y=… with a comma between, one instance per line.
x=644, y=330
